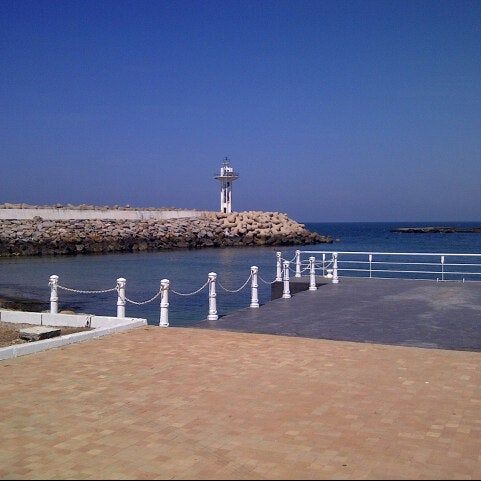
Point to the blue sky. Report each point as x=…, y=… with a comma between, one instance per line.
x=331, y=111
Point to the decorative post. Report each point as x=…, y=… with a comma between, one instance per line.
x=312, y=274
x=212, y=298
x=164, y=303
x=286, y=294
x=121, y=297
x=279, y=267
x=254, y=287
x=53, y=294
x=298, y=263
x=442, y=268
x=335, y=277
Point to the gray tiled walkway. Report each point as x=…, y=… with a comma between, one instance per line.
x=385, y=311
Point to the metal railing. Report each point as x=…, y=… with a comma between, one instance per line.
x=405, y=265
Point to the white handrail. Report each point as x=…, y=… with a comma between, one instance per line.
x=354, y=261
x=452, y=254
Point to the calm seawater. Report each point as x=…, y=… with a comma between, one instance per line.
x=187, y=270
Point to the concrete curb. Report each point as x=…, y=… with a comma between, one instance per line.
x=11, y=352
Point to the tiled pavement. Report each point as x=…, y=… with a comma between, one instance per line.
x=190, y=403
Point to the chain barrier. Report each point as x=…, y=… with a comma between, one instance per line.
x=292, y=269
x=141, y=303
x=78, y=291
x=235, y=290
x=264, y=281
x=189, y=293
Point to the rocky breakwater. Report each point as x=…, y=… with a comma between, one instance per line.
x=40, y=237
x=437, y=230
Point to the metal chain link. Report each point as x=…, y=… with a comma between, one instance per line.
x=78, y=291
x=290, y=261
x=141, y=303
x=189, y=293
x=235, y=290
x=266, y=282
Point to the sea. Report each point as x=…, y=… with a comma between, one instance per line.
x=27, y=277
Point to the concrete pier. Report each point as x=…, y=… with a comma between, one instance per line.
x=445, y=315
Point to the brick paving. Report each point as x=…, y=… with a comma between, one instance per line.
x=190, y=403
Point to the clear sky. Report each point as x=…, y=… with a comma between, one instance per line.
x=331, y=111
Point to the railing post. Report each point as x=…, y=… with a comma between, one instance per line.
x=53, y=294
x=164, y=303
x=212, y=298
x=254, y=287
x=298, y=263
x=312, y=274
x=442, y=268
x=335, y=277
x=279, y=266
x=370, y=266
x=286, y=293
x=121, y=297
x=324, y=264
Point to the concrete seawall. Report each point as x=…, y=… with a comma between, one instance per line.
x=94, y=214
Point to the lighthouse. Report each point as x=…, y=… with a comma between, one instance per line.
x=226, y=177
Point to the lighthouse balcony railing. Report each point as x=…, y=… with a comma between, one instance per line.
x=226, y=175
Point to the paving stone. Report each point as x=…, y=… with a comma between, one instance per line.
x=190, y=403
x=38, y=333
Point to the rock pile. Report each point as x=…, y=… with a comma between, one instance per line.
x=40, y=237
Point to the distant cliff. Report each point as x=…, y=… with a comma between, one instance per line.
x=55, y=237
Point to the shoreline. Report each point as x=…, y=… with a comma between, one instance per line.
x=12, y=303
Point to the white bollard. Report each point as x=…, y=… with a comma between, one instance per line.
x=312, y=274
x=53, y=294
x=286, y=294
x=121, y=297
x=212, y=298
x=164, y=303
x=254, y=287
x=298, y=263
x=279, y=267
x=335, y=277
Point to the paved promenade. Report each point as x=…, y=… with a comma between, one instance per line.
x=444, y=315
x=192, y=403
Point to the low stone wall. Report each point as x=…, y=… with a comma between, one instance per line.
x=90, y=213
x=41, y=237
x=127, y=207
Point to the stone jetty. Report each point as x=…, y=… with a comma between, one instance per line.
x=209, y=229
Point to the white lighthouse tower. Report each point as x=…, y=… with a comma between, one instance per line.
x=226, y=177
